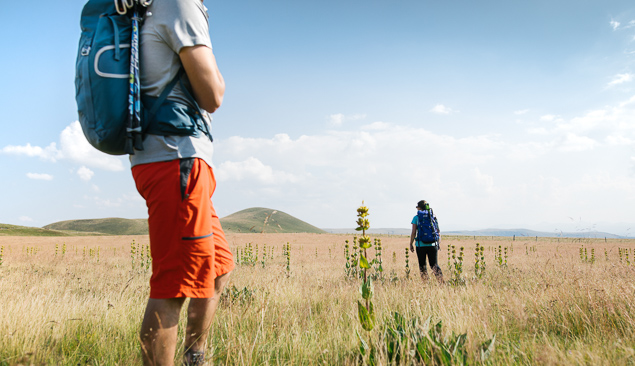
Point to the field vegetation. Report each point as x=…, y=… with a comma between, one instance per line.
x=292, y=300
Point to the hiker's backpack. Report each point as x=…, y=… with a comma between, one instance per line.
x=427, y=227
x=102, y=85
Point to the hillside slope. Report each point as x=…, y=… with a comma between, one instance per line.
x=251, y=220
x=110, y=226
x=16, y=230
x=258, y=219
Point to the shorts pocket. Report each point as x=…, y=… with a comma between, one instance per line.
x=197, y=258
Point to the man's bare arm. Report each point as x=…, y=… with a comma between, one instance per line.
x=412, y=236
x=202, y=71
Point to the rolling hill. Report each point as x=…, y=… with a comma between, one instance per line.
x=16, y=230
x=109, y=226
x=258, y=220
x=251, y=220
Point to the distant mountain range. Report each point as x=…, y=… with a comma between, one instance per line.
x=258, y=220
x=490, y=232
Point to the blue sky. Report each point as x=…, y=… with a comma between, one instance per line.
x=500, y=114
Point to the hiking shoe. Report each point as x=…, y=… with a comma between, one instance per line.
x=194, y=358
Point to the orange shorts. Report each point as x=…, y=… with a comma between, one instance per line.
x=187, y=243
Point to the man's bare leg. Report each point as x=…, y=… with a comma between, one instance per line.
x=159, y=330
x=200, y=314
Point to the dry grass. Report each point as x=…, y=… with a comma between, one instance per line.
x=546, y=307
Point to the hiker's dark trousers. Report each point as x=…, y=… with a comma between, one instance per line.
x=431, y=253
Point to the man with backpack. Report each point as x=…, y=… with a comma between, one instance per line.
x=425, y=236
x=191, y=257
x=147, y=81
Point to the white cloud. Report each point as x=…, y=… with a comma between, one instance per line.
x=25, y=219
x=538, y=131
x=621, y=79
x=614, y=24
x=576, y=143
x=520, y=112
x=338, y=119
x=39, y=176
x=627, y=102
x=441, y=109
x=73, y=146
x=548, y=118
x=84, y=173
x=484, y=183
x=388, y=164
x=49, y=153
x=377, y=126
x=618, y=140
x=253, y=169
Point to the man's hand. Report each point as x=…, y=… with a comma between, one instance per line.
x=412, y=248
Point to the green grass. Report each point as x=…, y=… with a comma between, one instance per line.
x=258, y=220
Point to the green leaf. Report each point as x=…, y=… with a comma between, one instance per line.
x=363, y=346
x=364, y=242
x=371, y=311
x=424, y=348
x=487, y=348
x=367, y=321
x=367, y=289
x=363, y=262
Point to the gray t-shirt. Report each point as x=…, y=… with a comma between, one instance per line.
x=168, y=27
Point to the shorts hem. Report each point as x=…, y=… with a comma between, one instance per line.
x=192, y=293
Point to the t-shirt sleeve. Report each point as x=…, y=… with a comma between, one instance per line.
x=414, y=220
x=183, y=23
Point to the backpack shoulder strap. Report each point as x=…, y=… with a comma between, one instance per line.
x=164, y=94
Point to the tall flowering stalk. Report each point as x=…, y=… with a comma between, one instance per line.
x=288, y=255
x=407, y=263
x=132, y=253
x=366, y=311
x=348, y=259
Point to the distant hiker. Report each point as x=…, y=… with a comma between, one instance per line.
x=190, y=255
x=426, y=236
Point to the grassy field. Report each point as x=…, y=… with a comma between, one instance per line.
x=550, y=304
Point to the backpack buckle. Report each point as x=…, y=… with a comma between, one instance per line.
x=85, y=50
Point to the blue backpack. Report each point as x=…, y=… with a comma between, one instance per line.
x=102, y=85
x=427, y=227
